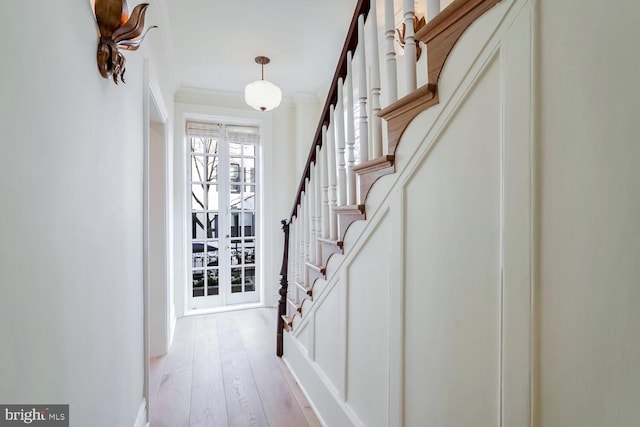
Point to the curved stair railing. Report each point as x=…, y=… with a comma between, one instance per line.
x=349, y=152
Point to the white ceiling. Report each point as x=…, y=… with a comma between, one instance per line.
x=215, y=42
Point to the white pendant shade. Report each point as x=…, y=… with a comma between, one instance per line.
x=262, y=95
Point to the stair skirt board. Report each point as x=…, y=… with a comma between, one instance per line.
x=320, y=393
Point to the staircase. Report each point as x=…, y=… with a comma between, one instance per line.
x=406, y=278
x=333, y=190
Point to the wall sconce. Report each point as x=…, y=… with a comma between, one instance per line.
x=118, y=31
x=262, y=94
x=418, y=23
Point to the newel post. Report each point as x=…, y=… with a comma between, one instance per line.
x=284, y=285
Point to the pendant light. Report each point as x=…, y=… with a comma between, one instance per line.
x=262, y=94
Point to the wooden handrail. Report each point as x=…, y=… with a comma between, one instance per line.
x=284, y=285
x=350, y=44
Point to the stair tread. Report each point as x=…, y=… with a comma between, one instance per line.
x=293, y=304
x=374, y=164
x=307, y=289
x=302, y=286
x=424, y=95
x=288, y=322
x=318, y=268
x=337, y=243
x=354, y=209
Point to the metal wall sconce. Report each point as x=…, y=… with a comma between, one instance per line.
x=418, y=23
x=118, y=31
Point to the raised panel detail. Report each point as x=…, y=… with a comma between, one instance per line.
x=329, y=350
x=368, y=328
x=452, y=267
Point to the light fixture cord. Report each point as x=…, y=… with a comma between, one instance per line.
x=262, y=71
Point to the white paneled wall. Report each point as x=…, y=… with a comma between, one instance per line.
x=495, y=281
x=421, y=290
x=453, y=261
x=367, y=328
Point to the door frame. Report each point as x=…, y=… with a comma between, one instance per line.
x=228, y=117
x=154, y=109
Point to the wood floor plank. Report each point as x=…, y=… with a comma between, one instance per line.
x=170, y=406
x=279, y=403
x=303, y=403
x=208, y=402
x=244, y=407
x=181, y=355
x=222, y=371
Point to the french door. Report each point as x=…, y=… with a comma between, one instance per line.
x=223, y=211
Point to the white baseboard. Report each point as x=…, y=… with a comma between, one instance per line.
x=141, y=419
x=330, y=409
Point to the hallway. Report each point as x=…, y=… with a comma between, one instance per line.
x=222, y=371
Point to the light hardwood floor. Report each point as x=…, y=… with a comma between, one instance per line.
x=222, y=371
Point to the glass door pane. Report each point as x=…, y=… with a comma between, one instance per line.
x=242, y=225
x=205, y=222
x=222, y=180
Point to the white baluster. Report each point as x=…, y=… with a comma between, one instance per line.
x=307, y=232
x=301, y=267
x=298, y=251
x=317, y=191
x=433, y=9
x=391, y=89
x=293, y=249
x=350, y=136
x=331, y=157
x=409, y=48
x=325, y=184
x=293, y=256
x=296, y=256
x=290, y=266
x=305, y=212
x=302, y=245
x=363, y=126
x=376, y=124
x=312, y=214
x=340, y=146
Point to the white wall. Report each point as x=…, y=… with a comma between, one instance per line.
x=589, y=274
x=308, y=109
x=278, y=173
x=71, y=157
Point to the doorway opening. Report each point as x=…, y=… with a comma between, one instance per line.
x=159, y=307
x=223, y=184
